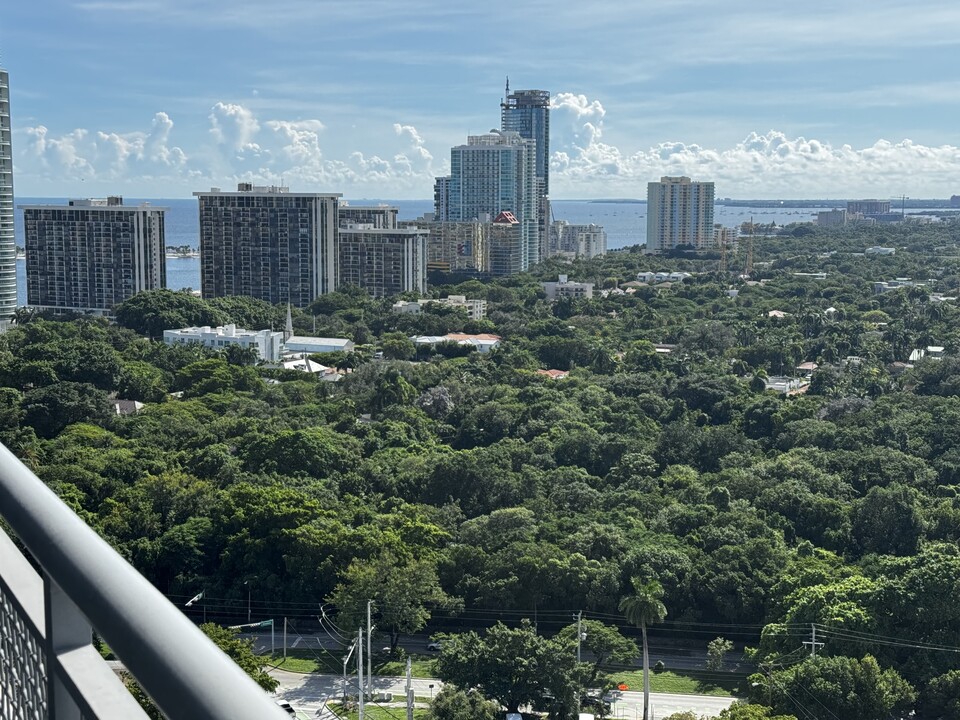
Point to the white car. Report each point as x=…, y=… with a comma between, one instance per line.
x=435, y=645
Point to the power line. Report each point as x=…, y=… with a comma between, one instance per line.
x=868, y=638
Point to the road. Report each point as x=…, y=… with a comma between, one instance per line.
x=675, y=657
x=307, y=692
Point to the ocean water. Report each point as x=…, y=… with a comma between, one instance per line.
x=625, y=223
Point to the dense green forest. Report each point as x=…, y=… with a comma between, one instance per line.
x=465, y=485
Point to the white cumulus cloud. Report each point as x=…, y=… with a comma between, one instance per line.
x=769, y=164
x=234, y=126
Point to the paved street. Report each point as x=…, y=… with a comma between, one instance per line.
x=675, y=657
x=307, y=692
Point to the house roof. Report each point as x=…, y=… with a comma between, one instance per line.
x=554, y=374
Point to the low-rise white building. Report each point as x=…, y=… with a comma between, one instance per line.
x=786, y=385
x=484, y=342
x=305, y=364
x=878, y=250
x=661, y=277
x=267, y=343
x=476, y=309
x=304, y=344
x=564, y=288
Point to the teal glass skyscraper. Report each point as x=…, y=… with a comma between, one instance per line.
x=527, y=112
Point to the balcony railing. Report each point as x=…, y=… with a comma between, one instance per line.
x=49, y=667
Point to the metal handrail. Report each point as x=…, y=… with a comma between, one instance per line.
x=182, y=670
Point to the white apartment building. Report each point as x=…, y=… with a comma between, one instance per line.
x=564, y=288
x=679, y=213
x=579, y=241
x=268, y=344
x=476, y=309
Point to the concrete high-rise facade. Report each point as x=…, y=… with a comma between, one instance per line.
x=527, y=112
x=454, y=246
x=268, y=243
x=379, y=216
x=505, y=245
x=90, y=255
x=384, y=262
x=496, y=173
x=679, y=213
x=8, y=243
x=579, y=241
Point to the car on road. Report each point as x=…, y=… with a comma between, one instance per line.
x=436, y=645
x=287, y=707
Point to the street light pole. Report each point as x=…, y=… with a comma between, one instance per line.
x=369, y=653
x=360, y=672
x=247, y=583
x=579, y=632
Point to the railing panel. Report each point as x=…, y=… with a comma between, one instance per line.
x=23, y=673
x=176, y=664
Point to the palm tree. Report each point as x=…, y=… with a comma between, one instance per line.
x=641, y=609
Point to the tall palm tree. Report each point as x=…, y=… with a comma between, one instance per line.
x=641, y=609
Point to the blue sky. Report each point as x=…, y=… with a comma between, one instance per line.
x=158, y=98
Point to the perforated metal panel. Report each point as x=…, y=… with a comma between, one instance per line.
x=23, y=676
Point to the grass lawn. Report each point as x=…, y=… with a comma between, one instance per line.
x=378, y=713
x=691, y=682
x=422, y=667
x=306, y=661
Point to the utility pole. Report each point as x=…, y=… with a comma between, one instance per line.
x=369, y=653
x=812, y=642
x=284, y=638
x=360, y=671
x=247, y=583
x=409, y=689
x=353, y=646
x=579, y=618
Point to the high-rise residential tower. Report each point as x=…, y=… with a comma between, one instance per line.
x=528, y=112
x=90, y=255
x=268, y=243
x=8, y=243
x=383, y=261
x=679, y=213
x=491, y=174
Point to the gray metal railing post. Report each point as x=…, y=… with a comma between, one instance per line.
x=66, y=629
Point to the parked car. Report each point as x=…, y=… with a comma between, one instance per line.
x=435, y=645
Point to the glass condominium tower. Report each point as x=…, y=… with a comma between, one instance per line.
x=527, y=112
x=8, y=247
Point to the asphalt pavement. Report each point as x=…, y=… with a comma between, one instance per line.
x=308, y=692
x=675, y=657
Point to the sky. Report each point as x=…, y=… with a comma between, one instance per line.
x=161, y=98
